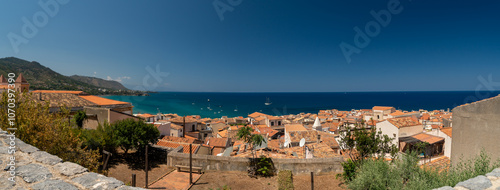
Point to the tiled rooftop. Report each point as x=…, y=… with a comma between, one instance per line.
x=404, y=122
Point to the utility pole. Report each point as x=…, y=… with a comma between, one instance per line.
x=190, y=164
x=312, y=181
x=146, y=166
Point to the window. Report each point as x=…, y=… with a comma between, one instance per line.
x=394, y=135
x=272, y=123
x=194, y=128
x=279, y=122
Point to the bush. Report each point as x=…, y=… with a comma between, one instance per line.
x=134, y=134
x=50, y=132
x=405, y=173
x=102, y=138
x=285, y=180
x=265, y=166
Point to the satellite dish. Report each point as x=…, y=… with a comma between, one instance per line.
x=302, y=142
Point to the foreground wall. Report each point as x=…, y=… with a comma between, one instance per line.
x=476, y=126
x=297, y=166
x=35, y=169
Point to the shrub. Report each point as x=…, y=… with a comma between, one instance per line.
x=285, y=180
x=50, y=132
x=265, y=166
x=134, y=134
x=405, y=173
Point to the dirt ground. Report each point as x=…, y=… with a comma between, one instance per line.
x=240, y=180
x=122, y=166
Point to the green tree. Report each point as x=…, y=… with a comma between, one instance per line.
x=361, y=143
x=102, y=138
x=79, y=117
x=135, y=134
x=262, y=166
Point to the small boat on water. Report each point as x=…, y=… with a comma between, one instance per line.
x=208, y=100
x=268, y=102
x=236, y=109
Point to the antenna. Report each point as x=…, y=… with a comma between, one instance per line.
x=302, y=142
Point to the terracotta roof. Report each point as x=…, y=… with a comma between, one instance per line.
x=181, y=120
x=257, y=114
x=103, y=101
x=175, y=126
x=216, y=142
x=3, y=79
x=295, y=127
x=59, y=91
x=404, y=122
x=447, y=131
x=382, y=108
x=174, y=145
x=426, y=116
x=146, y=115
x=397, y=113
x=273, y=118
x=435, y=126
x=431, y=139
x=439, y=164
x=259, y=118
x=266, y=130
x=57, y=100
x=178, y=139
x=21, y=79
x=223, y=133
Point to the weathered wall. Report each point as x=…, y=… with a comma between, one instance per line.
x=30, y=168
x=297, y=166
x=476, y=126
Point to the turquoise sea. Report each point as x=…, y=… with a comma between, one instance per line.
x=241, y=104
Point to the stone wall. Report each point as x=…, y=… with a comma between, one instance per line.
x=489, y=181
x=221, y=163
x=476, y=126
x=30, y=168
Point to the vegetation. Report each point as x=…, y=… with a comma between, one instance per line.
x=103, y=138
x=44, y=78
x=285, y=180
x=362, y=144
x=225, y=187
x=263, y=164
x=405, y=173
x=79, y=117
x=134, y=134
x=50, y=132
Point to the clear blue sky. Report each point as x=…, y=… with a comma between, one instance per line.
x=279, y=45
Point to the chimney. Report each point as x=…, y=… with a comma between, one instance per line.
x=319, y=138
x=40, y=96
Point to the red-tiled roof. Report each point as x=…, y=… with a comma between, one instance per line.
x=382, y=108
x=431, y=139
x=178, y=139
x=102, y=101
x=404, y=122
x=217, y=142
x=185, y=146
x=58, y=91
x=447, y=131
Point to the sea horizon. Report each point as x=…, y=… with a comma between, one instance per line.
x=232, y=104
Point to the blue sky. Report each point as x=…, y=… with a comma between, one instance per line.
x=262, y=46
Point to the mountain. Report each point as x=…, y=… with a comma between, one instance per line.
x=99, y=82
x=44, y=78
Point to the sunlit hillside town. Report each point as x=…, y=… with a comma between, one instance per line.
x=293, y=136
